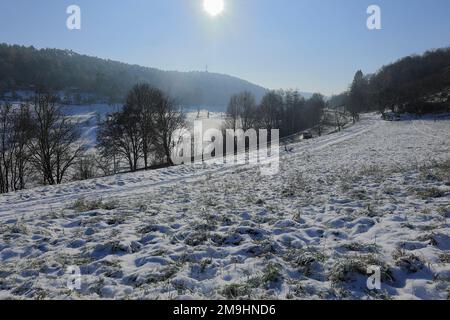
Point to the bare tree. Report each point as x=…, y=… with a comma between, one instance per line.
x=106, y=163
x=241, y=111
x=22, y=154
x=120, y=135
x=6, y=145
x=270, y=109
x=233, y=113
x=315, y=111
x=143, y=128
x=142, y=102
x=247, y=109
x=56, y=143
x=169, y=117
x=14, y=154
x=340, y=119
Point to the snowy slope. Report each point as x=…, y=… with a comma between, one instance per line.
x=376, y=194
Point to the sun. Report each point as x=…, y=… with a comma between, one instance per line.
x=213, y=7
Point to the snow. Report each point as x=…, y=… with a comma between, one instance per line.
x=375, y=194
x=86, y=117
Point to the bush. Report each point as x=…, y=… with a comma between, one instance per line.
x=83, y=205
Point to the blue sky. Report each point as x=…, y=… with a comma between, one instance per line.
x=311, y=45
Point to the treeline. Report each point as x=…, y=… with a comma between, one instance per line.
x=26, y=68
x=37, y=142
x=415, y=84
x=287, y=111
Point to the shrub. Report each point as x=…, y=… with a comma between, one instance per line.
x=83, y=205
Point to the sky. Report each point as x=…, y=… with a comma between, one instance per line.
x=309, y=45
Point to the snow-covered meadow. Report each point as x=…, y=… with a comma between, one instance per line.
x=375, y=194
x=87, y=117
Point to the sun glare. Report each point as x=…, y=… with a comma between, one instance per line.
x=213, y=7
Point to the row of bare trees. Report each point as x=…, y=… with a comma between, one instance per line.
x=141, y=133
x=287, y=111
x=37, y=140
x=14, y=152
x=39, y=143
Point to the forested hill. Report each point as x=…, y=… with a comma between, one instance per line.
x=414, y=78
x=416, y=84
x=26, y=67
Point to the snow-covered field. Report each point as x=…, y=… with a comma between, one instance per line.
x=376, y=194
x=86, y=117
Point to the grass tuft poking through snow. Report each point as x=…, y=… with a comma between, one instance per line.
x=374, y=195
